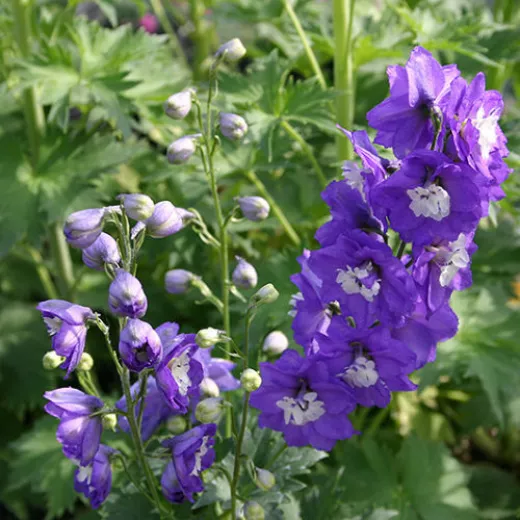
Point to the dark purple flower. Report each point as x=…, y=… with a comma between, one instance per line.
x=303, y=400
x=417, y=92
x=126, y=296
x=431, y=198
x=79, y=432
x=83, y=227
x=362, y=274
x=165, y=221
x=139, y=345
x=103, y=251
x=66, y=324
x=192, y=453
x=95, y=480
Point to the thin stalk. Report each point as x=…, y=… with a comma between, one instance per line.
x=400, y=249
x=343, y=15
x=43, y=273
x=307, y=150
x=62, y=260
x=197, y=9
x=308, y=50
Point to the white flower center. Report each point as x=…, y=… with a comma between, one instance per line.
x=84, y=473
x=295, y=298
x=179, y=368
x=451, y=259
x=487, y=131
x=351, y=281
x=197, y=468
x=431, y=202
x=53, y=325
x=361, y=374
x=302, y=410
x=352, y=175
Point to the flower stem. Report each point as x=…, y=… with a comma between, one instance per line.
x=62, y=259
x=343, y=15
x=307, y=150
x=308, y=50
x=276, y=209
x=197, y=9
x=43, y=273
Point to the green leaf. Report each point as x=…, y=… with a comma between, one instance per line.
x=128, y=506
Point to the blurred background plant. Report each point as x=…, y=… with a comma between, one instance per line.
x=82, y=87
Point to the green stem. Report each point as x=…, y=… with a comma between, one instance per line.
x=400, y=249
x=197, y=8
x=62, y=260
x=307, y=150
x=308, y=50
x=343, y=15
x=275, y=208
x=43, y=273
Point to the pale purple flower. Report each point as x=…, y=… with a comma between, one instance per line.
x=103, y=251
x=165, y=221
x=126, y=296
x=82, y=228
x=244, y=275
x=139, y=345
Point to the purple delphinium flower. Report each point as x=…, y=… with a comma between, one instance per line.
x=156, y=409
x=66, y=324
x=83, y=227
x=300, y=398
x=79, y=432
x=166, y=220
x=192, y=453
x=432, y=198
x=362, y=274
x=126, y=296
x=95, y=480
x=217, y=369
x=103, y=251
x=139, y=345
x=417, y=92
x=368, y=361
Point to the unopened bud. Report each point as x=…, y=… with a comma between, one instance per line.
x=266, y=294
x=232, y=126
x=206, y=338
x=86, y=362
x=51, y=360
x=253, y=511
x=209, y=410
x=177, y=424
x=250, y=380
x=166, y=220
x=178, y=281
x=82, y=228
x=232, y=50
x=254, y=208
x=275, y=343
x=209, y=388
x=103, y=251
x=178, y=105
x=245, y=275
x=181, y=150
x=109, y=421
x=137, y=205
x=265, y=480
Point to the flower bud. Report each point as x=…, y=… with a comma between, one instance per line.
x=165, y=221
x=51, y=360
x=254, y=208
x=209, y=388
x=209, y=410
x=126, y=296
x=103, y=251
x=139, y=345
x=266, y=294
x=244, y=276
x=231, y=51
x=181, y=150
x=177, y=424
x=275, y=343
x=137, y=205
x=82, y=228
x=253, y=511
x=265, y=480
x=178, y=281
x=206, y=338
x=232, y=126
x=178, y=105
x=250, y=380
x=86, y=362
x=109, y=421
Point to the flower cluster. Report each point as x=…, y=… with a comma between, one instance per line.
x=368, y=316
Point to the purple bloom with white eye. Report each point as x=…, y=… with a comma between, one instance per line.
x=95, y=480
x=156, y=409
x=139, y=345
x=302, y=399
x=103, y=251
x=368, y=361
x=432, y=198
x=178, y=374
x=67, y=325
x=417, y=92
x=79, y=432
x=369, y=283
x=192, y=453
x=442, y=267
x=166, y=220
x=82, y=228
x=217, y=369
x=126, y=296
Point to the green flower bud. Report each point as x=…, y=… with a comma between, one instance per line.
x=209, y=388
x=209, y=410
x=266, y=294
x=51, y=360
x=86, y=362
x=265, y=480
x=231, y=51
x=206, y=338
x=250, y=380
x=109, y=421
x=177, y=424
x=253, y=511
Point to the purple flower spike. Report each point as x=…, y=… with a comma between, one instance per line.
x=192, y=453
x=66, y=324
x=165, y=221
x=78, y=432
x=126, y=296
x=103, y=251
x=139, y=345
x=82, y=228
x=95, y=480
x=302, y=399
